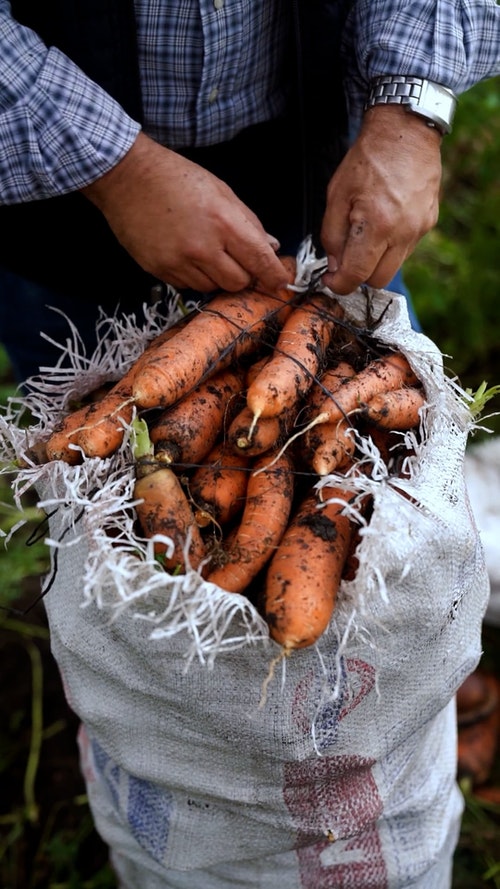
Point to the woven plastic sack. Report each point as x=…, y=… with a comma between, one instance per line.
x=210, y=761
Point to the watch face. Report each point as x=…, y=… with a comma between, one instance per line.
x=436, y=103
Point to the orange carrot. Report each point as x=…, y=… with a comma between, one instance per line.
x=398, y=409
x=331, y=446
x=304, y=574
x=298, y=357
x=98, y=427
x=163, y=508
x=351, y=563
x=265, y=516
x=255, y=368
x=103, y=426
x=65, y=434
x=254, y=438
x=392, y=371
x=331, y=381
x=218, y=488
x=226, y=328
x=187, y=431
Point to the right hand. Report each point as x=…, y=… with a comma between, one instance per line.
x=183, y=225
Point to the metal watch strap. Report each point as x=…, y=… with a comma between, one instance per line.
x=433, y=102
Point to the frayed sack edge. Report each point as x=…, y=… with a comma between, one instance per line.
x=91, y=505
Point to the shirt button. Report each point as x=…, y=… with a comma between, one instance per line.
x=218, y=4
x=213, y=94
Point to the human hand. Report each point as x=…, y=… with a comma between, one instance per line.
x=381, y=200
x=183, y=225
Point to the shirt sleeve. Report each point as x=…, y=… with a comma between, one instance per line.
x=453, y=42
x=59, y=131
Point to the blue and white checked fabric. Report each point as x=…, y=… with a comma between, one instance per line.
x=208, y=69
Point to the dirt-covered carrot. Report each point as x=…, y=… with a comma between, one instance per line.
x=351, y=563
x=330, y=446
x=229, y=326
x=391, y=371
x=217, y=489
x=303, y=577
x=398, y=409
x=187, y=431
x=263, y=523
x=255, y=438
x=163, y=508
x=98, y=428
x=255, y=368
x=65, y=434
x=330, y=382
x=298, y=357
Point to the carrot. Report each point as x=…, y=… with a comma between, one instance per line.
x=218, y=488
x=104, y=423
x=225, y=329
x=383, y=439
x=263, y=523
x=331, y=446
x=351, y=563
x=298, y=356
x=255, y=368
x=257, y=438
x=331, y=381
x=187, y=431
x=163, y=508
x=65, y=434
x=304, y=574
x=398, y=409
x=391, y=371
x=98, y=427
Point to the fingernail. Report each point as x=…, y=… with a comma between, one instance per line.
x=274, y=243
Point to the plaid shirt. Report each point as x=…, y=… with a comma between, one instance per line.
x=209, y=69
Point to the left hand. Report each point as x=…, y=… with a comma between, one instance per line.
x=381, y=200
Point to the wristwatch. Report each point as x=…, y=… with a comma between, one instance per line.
x=432, y=101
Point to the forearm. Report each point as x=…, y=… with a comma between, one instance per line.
x=59, y=131
x=455, y=43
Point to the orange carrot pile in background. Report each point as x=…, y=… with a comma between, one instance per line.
x=247, y=405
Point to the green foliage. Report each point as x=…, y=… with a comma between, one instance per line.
x=454, y=274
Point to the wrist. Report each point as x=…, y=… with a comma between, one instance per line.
x=391, y=124
x=432, y=102
x=118, y=177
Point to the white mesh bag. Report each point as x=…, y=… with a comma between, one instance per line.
x=209, y=761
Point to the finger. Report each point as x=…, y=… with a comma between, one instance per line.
x=192, y=279
x=360, y=256
x=228, y=274
x=382, y=274
x=273, y=242
x=390, y=263
x=335, y=226
x=253, y=250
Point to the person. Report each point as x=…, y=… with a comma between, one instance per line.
x=188, y=144
x=137, y=158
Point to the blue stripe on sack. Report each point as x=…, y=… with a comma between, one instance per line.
x=149, y=813
x=146, y=807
